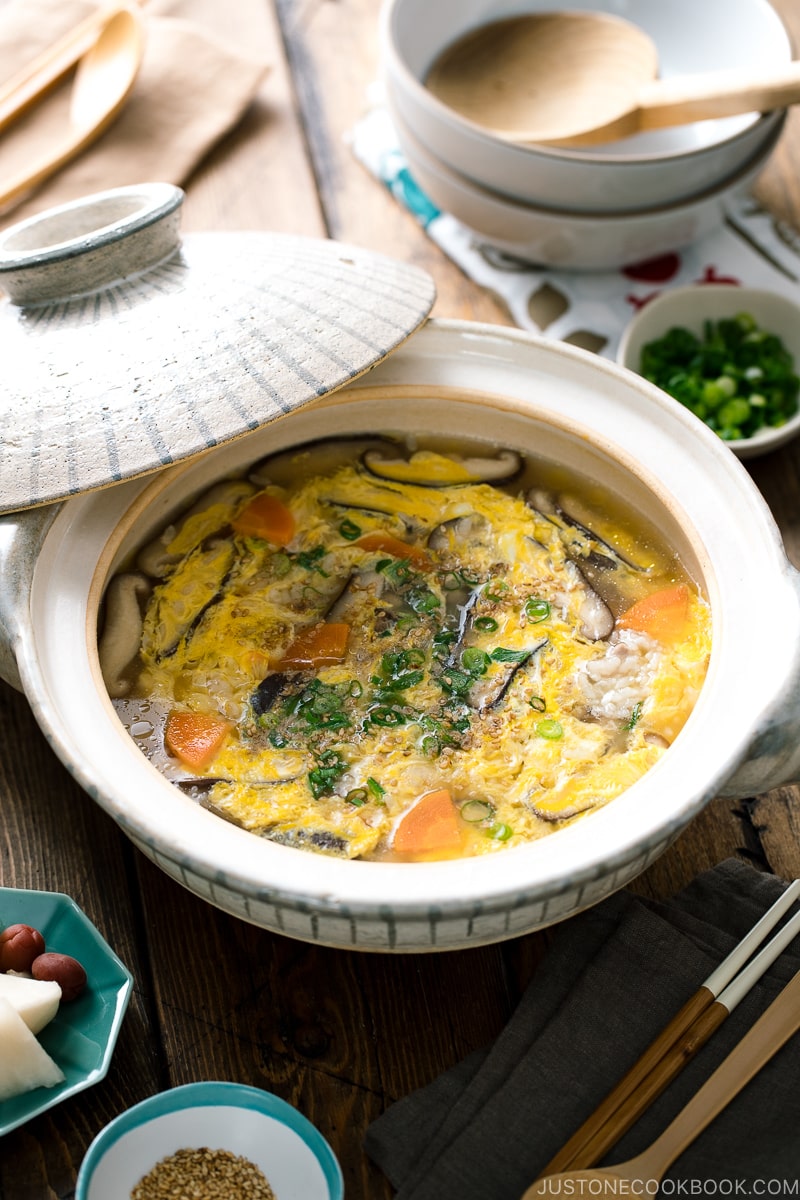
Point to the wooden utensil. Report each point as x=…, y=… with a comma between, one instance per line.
x=771, y=1031
x=580, y=79
x=544, y=71
x=680, y=1040
x=103, y=80
x=37, y=77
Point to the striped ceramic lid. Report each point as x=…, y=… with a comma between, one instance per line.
x=126, y=349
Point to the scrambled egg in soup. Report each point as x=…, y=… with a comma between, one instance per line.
x=406, y=656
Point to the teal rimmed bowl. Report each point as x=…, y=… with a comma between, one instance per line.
x=257, y=1125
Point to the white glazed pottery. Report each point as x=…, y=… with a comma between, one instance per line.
x=501, y=387
x=690, y=307
x=575, y=241
x=126, y=349
x=655, y=168
x=245, y=1121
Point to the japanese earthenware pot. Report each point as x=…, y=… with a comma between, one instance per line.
x=499, y=386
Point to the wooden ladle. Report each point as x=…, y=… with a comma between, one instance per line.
x=773, y=1028
x=583, y=78
x=103, y=80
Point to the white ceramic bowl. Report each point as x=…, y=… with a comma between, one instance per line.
x=569, y=240
x=503, y=387
x=649, y=169
x=690, y=307
x=499, y=386
x=246, y=1121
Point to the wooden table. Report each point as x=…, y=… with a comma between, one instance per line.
x=340, y=1035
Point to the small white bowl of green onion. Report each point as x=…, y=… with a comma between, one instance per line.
x=730, y=354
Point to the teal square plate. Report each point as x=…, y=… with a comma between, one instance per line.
x=82, y=1035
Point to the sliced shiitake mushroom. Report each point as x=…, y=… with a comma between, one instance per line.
x=322, y=456
x=426, y=468
x=122, y=630
x=218, y=503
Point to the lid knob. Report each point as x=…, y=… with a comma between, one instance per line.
x=90, y=243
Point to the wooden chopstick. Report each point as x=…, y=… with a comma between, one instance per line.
x=37, y=77
x=679, y=1041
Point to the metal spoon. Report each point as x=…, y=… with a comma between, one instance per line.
x=583, y=78
x=102, y=83
x=773, y=1028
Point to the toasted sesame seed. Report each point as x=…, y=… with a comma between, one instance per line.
x=203, y=1174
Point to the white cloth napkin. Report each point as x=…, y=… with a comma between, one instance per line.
x=590, y=309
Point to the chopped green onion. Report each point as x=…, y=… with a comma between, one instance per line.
x=349, y=530
x=635, y=716
x=476, y=810
x=309, y=559
x=475, y=661
x=323, y=777
x=422, y=599
x=455, y=681
x=375, y=788
x=500, y=832
x=550, y=728
x=453, y=580
x=486, y=624
x=538, y=703
x=536, y=609
x=397, y=570
x=357, y=796
x=280, y=564
x=735, y=377
x=442, y=642
x=502, y=654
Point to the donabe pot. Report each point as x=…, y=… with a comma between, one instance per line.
x=504, y=388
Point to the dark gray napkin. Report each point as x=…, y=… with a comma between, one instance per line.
x=611, y=980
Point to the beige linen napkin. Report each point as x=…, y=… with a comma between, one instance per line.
x=193, y=87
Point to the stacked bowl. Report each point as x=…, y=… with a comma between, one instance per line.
x=593, y=207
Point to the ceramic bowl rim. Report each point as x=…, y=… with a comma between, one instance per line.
x=365, y=889
x=673, y=298
x=424, y=97
x=205, y=1094
x=589, y=217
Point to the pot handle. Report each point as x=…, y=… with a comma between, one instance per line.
x=772, y=758
x=21, y=538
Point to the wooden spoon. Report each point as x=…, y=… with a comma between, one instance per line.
x=102, y=83
x=773, y=1028
x=583, y=78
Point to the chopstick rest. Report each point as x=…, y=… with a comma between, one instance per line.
x=680, y=1040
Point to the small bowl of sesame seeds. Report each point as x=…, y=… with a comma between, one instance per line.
x=221, y=1141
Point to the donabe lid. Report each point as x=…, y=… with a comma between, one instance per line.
x=126, y=348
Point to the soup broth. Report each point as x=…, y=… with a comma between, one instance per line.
x=382, y=651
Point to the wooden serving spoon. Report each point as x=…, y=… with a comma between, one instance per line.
x=583, y=78
x=103, y=80
x=773, y=1028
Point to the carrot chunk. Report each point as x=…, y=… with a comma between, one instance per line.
x=195, y=738
x=386, y=543
x=430, y=827
x=266, y=517
x=663, y=614
x=320, y=646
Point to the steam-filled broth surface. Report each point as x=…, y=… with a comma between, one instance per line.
x=383, y=651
